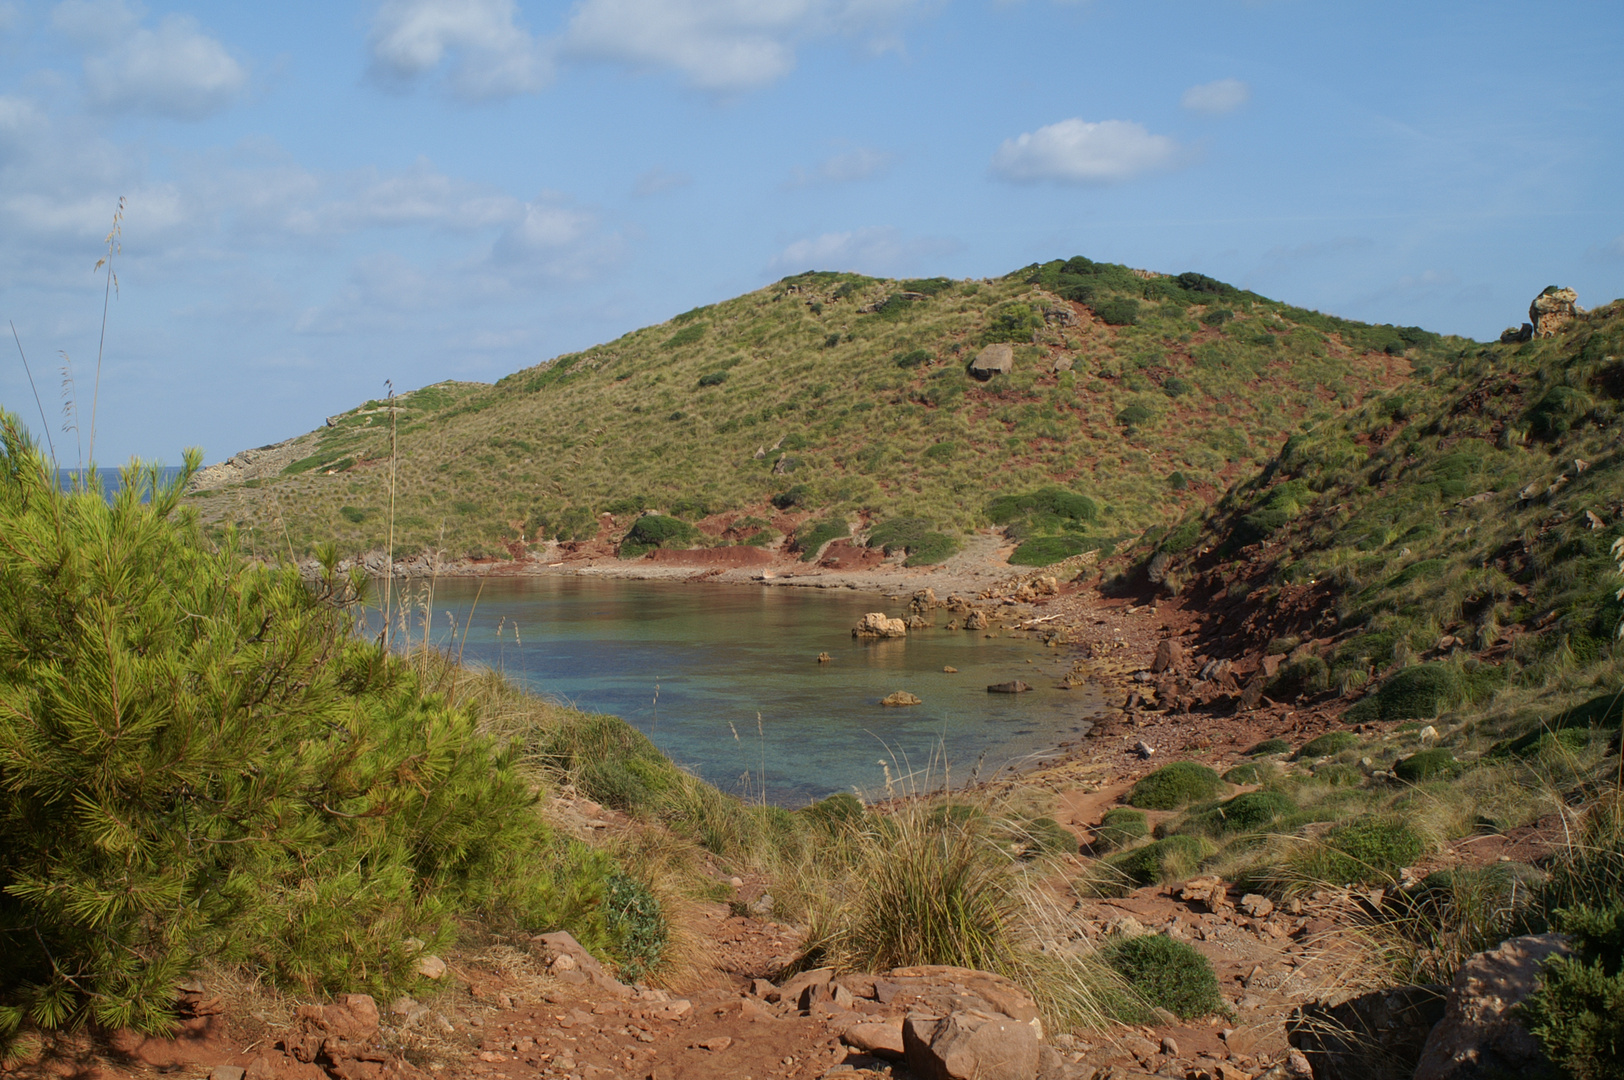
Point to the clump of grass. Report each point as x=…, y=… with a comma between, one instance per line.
x=1047, y=550
x=1169, y=974
x=1172, y=786
x=920, y=886
x=1371, y=848
x=1269, y=746
x=1332, y=742
x=1247, y=812
x=654, y=531
x=923, y=545
x=1120, y=827
x=811, y=537
x=1162, y=860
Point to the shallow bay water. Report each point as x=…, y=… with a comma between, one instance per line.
x=692, y=665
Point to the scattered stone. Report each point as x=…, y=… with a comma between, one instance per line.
x=227, y=1072
x=824, y=658
x=1015, y=686
x=900, y=698
x=1297, y=1065
x=1480, y=1033
x=1125, y=926
x=1428, y=734
x=876, y=624
x=949, y=669
x=1169, y=1047
x=997, y=359
x=431, y=967
x=976, y=620
x=1210, y=891
x=1144, y=749
x=1258, y=907
x=716, y=1045
x=1169, y=655
x=970, y=1045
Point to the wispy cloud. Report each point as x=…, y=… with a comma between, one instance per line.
x=172, y=69
x=657, y=180
x=1082, y=152
x=880, y=250
x=862, y=163
x=1216, y=98
x=724, y=45
x=481, y=45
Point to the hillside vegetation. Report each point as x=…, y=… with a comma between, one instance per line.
x=837, y=395
x=1468, y=516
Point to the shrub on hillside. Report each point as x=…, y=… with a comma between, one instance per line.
x=923, y=545
x=1332, y=742
x=1370, y=848
x=1168, y=974
x=1120, y=827
x=656, y=531
x=1423, y=691
x=1045, y=550
x=913, y=358
x=1162, y=860
x=1250, y=811
x=1578, y=1010
x=1013, y=323
x=1045, y=507
x=713, y=378
x=810, y=538
x=207, y=764
x=1118, y=311
x=1270, y=746
x=1172, y=786
x=1427, y=765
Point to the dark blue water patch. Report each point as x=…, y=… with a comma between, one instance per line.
x=725, y=679
x=112, y=480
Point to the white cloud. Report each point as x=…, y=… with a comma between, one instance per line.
x=862, y=163
x=174, y=70
x=1216, y=98
x=490, y=54
x=657, y=180
x=724, y=45
x=1080, y=152
x=880, y=250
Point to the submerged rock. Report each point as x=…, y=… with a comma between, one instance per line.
x=1014, y=686
x=901, y=697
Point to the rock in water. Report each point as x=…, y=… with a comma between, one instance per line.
x=824, y=658
x=876, y=624
x=977, y=620
x=901, y=697
x=1552, y=310
x=1014, y=687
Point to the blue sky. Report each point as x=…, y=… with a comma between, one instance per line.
x=320, y=197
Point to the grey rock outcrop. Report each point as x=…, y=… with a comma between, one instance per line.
x=1552, y=310
x=998, y=359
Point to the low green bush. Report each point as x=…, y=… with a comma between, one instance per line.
x=713, y=378
x=1250, y=811
x=1427, y=765
x=1168, y=974
x=1269, y=746
x=1172, y=786
x=1423, y=691
x=1045, y=550
x=1307, y=675
x=1247, y=773
x=656, y=531
x=1047, y=504
x=1578, y=1010
x=810, y=538
x=1120, y=827
x=1041, y=836
x=914, y=358
x=1118, y=311
x=1171, y=858
x=837, y=811
x=1332, y=742
x=923, y=545
x=1370, y=848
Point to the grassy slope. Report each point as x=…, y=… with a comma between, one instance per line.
x=628, y=423
x=1479, y=502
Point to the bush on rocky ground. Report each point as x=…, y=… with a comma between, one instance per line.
x=1175, y=785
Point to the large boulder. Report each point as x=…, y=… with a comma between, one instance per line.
x=971, y=1045
x=1480, y=1035
x=876, y=624
x=996, y=359
x=1552, y=310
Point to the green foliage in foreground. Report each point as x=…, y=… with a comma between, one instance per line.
x=1370, y=848
x=1169, y=974
x=1175, y=785
x=1578, y=1010
x=1120, y=827
x=199, y=759
x=1169, y=859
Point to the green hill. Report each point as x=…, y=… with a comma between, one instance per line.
x=1466, y=516
x=841, y=397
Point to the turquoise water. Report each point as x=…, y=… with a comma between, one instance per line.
x=692, y=665
x=112, y=480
